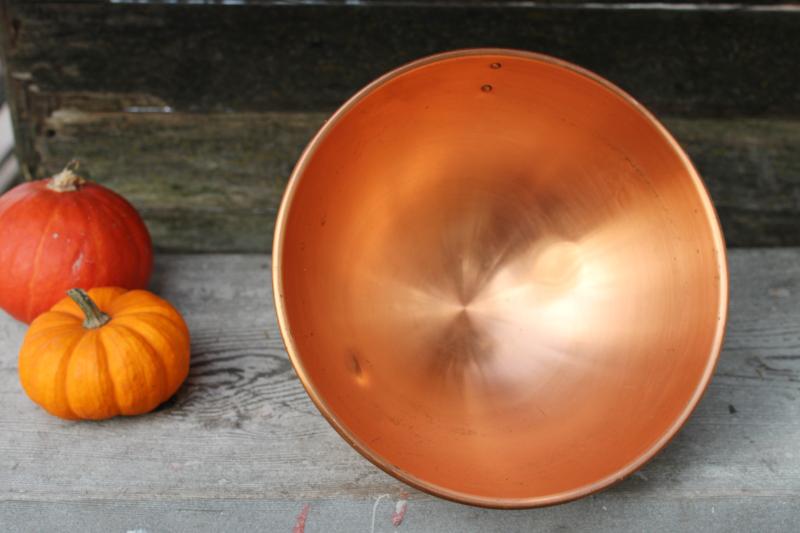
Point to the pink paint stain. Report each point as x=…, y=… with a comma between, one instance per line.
x=400, y=509
x=300, y=525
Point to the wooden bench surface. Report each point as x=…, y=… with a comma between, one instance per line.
x=241, y=447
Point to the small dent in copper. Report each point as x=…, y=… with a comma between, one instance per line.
x=355, y=365
x=495, y=65
x=486, y=88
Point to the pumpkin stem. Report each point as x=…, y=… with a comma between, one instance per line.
x=95, y=318
x=68, y=179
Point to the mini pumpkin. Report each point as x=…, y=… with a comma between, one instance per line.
x=65, y=232
x=105, y=353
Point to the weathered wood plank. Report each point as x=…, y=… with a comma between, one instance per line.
x=723, y=5
x=202, y=182
x=242, y=448
x=214, y=182
x=311, y=57
x=752, y=170
x=297, y=62
x=700, y=515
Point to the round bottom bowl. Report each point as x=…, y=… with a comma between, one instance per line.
x=499, y=278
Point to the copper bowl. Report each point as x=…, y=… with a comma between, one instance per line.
x=499, y=278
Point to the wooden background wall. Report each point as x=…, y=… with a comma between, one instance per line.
x=197, y=113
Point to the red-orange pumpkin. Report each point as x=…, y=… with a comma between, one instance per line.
x=66, y=232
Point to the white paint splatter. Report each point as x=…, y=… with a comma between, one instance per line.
x=148, y=109
x=375, y=508
x=399, y=511
x=400, y=508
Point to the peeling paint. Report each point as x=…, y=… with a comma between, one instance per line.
x=400, y=509
x=300, y=525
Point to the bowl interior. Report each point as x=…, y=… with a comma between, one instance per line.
x=500, y=279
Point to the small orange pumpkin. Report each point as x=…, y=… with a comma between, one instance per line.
x=104, y=353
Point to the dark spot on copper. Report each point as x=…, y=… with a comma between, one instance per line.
x=495, y=65
x=486, y=88
x=355, y=365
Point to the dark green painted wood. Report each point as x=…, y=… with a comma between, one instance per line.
x=214, y=182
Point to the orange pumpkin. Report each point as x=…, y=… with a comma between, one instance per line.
x=67, y=232
x=104, y=353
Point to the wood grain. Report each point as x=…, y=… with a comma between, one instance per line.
x=242, y=448
x=202, y=182
x=700, y=515
x=214, y=182
x=301, y=57
x=198, y=112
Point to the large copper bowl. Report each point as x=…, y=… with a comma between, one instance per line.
x=499, y=278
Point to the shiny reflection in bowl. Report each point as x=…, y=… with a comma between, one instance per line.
x=507, y=297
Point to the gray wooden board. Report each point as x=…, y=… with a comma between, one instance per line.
x=241, y=448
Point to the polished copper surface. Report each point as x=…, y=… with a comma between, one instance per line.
x=500, y=278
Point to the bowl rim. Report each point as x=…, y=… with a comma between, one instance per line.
x=406, y=477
